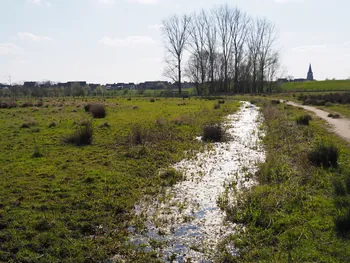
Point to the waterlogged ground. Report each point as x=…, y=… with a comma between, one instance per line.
x=187, y=224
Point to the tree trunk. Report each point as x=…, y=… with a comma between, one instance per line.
x=179, y=77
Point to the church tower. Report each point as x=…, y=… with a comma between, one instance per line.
x=310, y=74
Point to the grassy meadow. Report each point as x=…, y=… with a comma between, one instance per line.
x=67, y=203
x=299, y=211
x=316, y=86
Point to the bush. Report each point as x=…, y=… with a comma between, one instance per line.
x=81, y=136
x=334, y=116
x=213, y=133
x=324, y=155
x=152, y=100
x=52, y=124
x=27, y=104
x=136, y=137
x=8, y=105
x=104, y=125
x=342, y=224
x=275, y=102
x=28, y=124
x=97, y=111
x=221, y=102
x=40, y=103
x=37, y=153
x=304, y=120
x=217, y=106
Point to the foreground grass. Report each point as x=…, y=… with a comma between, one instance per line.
x=317, y=86
x=66, y=203
x=298, y=212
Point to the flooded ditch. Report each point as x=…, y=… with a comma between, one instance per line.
x=186, y=224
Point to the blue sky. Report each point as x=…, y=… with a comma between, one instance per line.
x=119, y=40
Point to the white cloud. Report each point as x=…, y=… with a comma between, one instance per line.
x=155, y=26
x=40, y=2
x=8, y=48
x=144, y=2
x=106, y=1
x=32, y=37
x=289, y=1
x=131, y=40
x=309, y=48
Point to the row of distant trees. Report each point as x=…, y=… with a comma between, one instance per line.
x=228, y=50
x=74, y=90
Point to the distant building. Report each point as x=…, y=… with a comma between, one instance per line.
x=80, y=83
x=29, y=84
x=310, y=74
x=153, y=85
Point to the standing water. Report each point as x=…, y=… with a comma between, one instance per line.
x=189, y=224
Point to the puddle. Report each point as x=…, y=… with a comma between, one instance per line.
x=187, y=223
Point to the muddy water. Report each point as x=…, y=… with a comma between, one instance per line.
x=187, y=223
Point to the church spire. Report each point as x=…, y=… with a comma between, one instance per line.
x=310, y=74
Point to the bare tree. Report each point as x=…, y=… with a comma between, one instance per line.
x=175, y=30
x=240, y=32
x=211, y=45
x=225, y=20
x=265, y=55
x=197, y=43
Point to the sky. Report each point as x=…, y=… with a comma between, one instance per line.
x=108, y=41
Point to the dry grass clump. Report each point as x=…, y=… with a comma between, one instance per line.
x=97, y=111
x=324, y=155
x=213, y=133
x=304, y=120
x=29, y=124
x=81, y=136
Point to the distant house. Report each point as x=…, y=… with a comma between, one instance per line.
x=153, y=85
x=30, y=84
x=80, y=83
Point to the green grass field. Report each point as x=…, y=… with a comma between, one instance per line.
x=317, y=86
x=298, y=212
x=66, y=203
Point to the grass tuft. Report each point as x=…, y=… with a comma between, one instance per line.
x=304, y=120
x=324, y=155
x=213, y=133
x=81, y=136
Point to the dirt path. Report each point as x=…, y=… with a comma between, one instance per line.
x=339, y=126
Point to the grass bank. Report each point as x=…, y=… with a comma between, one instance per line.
x=299, y=209
x=317, y=86
x=60, y=202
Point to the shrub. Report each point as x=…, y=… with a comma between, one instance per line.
x=87, y=107
x=97, y=111
x=104, y=125
x=328, y=104
x=28, y=124
x=221, y=102
x=217, y=106
x=275, y=102
x=334, y=116
x=135, y=107
x=324, y=155
x=52, y=124
x=152, y=100
x=27, y=104
x=304, y=120
x=81, y=136
x=40, y=103
x=213, y=133
x=342, y=224
x=37, y=153
x=136, y=137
